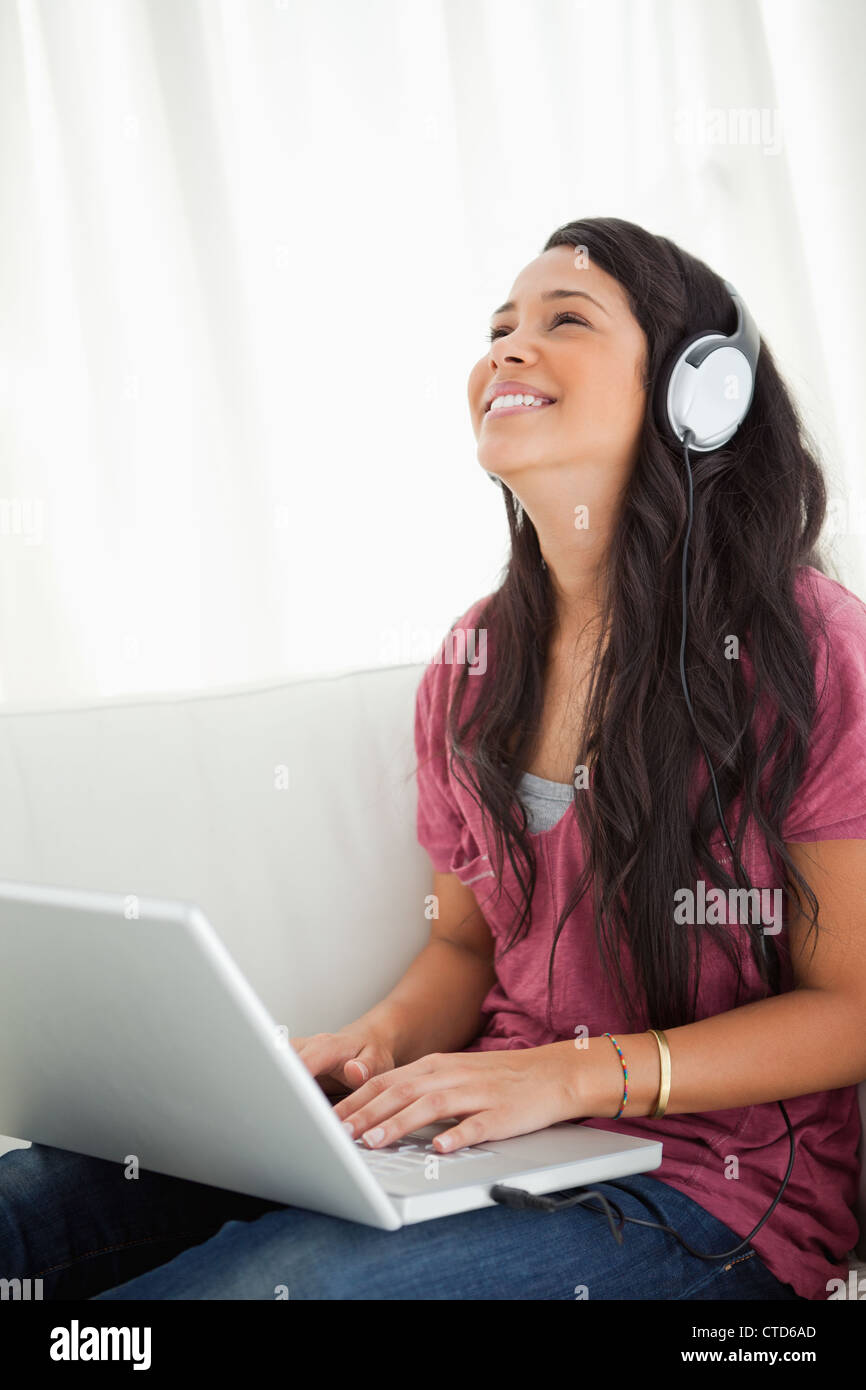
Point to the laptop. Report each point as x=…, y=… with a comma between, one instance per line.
x=127, y=1029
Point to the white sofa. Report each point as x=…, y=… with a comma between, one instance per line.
x=287, y=812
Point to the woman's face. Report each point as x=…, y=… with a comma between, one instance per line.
x=585, y=352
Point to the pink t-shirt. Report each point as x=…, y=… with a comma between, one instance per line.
x=812, y=1229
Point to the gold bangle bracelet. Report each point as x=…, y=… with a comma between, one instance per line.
x=665, y=1063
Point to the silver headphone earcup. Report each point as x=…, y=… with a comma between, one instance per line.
x=711, y=399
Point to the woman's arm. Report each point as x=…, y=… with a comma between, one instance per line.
x=436, y=1006
x=810, y=1039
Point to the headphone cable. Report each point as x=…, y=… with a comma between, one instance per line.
x=521, y=1200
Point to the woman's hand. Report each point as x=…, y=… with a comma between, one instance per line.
x=500, y=1093
x=345, y=1060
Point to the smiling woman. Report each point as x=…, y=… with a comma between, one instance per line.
x=559, y=982
x=582, y=696
x=583, y=676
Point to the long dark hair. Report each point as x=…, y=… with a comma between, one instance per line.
x=759, y=505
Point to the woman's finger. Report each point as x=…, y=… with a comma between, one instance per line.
x=387, y=1091
x=380, y=1082
x=399, y=1095
x=370, y=1060
x=477, y=1128
x=442, y=1104
x=323, y=1053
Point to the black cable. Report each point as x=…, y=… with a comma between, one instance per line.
x=736, y=863
x=530, y=1201
x=519, y=1199
x=527, y=1201
x=685, y=684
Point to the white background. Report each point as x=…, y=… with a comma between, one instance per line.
x=248, y=253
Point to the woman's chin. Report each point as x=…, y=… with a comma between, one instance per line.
x=506, y=465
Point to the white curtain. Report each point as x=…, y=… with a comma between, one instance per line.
x=248, y=253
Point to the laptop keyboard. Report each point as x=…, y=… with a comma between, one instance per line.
x=413, y=1152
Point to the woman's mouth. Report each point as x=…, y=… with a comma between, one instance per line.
x=518, y=409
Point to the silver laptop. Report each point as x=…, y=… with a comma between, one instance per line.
x=126, y=1028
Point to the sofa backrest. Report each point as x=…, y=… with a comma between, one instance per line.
x=287, y=813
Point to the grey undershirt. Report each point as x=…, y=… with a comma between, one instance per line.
x=545, y=802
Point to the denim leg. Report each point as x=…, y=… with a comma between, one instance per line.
x=490, y=1253
x=78, y=1224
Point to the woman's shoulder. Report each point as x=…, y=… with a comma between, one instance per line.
x=464, y=644
x=831, y=801
x=441, y=821
x=824, y=599
x=835, y=622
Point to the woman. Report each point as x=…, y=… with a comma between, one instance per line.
x=566, y=812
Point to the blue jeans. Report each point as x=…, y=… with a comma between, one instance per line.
x=88, y=1232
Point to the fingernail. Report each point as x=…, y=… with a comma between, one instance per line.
x=443, y=1141
x=375, y=1136
x=348, y=1126
x=363, y=1069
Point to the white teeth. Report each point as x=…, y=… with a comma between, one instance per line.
x=503, y=402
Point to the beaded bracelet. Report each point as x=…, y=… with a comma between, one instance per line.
x=624, y=1075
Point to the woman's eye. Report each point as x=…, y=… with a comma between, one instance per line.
x=558, y=318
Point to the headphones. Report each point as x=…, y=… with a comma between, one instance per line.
x=706, y=384
x=701, y=398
